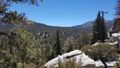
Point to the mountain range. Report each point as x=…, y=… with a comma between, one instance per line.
x=39, y=28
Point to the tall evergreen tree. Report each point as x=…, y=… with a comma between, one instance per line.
x=116, y=27
x=103, y=31
x=96, y=29
x=117, y=7
x=57, y=46
x=34, y=2
x=14, y=17
x=5, y=4
x=99, y=30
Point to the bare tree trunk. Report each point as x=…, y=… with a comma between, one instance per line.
x=105, y=65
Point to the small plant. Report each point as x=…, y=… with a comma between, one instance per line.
x=117, y=65
x=19, y=65
x=71, y=63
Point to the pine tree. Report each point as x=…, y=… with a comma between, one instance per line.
x=103, y=31
x=5, y=4
x=117, y=7
x=34, y=2
x=69, y=44
x=14, y=17
x=96, y=29
x=57, y=45
x=116, y=27
x=99, y=30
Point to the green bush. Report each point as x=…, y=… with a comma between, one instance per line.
x=101, y=51
x=117, y=65
x=19, y=65
x=21, y=46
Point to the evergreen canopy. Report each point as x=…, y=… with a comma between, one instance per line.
x=99, y=29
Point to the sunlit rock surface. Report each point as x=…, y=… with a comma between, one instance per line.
x=80, y=58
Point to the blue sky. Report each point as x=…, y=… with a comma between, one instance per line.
x=66, y=12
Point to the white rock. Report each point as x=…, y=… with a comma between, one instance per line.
x=95, y=44
x=84, y=60
x=53, y=62
x=75, y=52
x=116, y=34
x=114, y=43
x=99, y=64
x=109, y=43
x=79, y=56
x=111, y=63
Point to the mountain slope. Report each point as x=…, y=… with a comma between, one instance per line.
x=88, y=25
x=38, y=28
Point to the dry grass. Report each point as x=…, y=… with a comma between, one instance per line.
x=71, y=63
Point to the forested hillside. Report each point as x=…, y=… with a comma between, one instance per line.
x=25, y=43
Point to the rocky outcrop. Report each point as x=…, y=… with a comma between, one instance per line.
x=114, y=33
x=116, y=38
x=80, y=58
x=107, y=43
x=99, y=64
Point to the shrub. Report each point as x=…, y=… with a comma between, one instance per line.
x=19, y=65
x=108, y=52
x=71, y=63
x=117, y=65
x=103, y=52
x=21, y=46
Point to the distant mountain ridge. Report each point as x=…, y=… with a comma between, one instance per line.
x=36, y=28
x=88, y=25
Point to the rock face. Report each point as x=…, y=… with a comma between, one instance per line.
x=114, y=33
x=80, y=58
x=116, y=38
x=99, y=64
